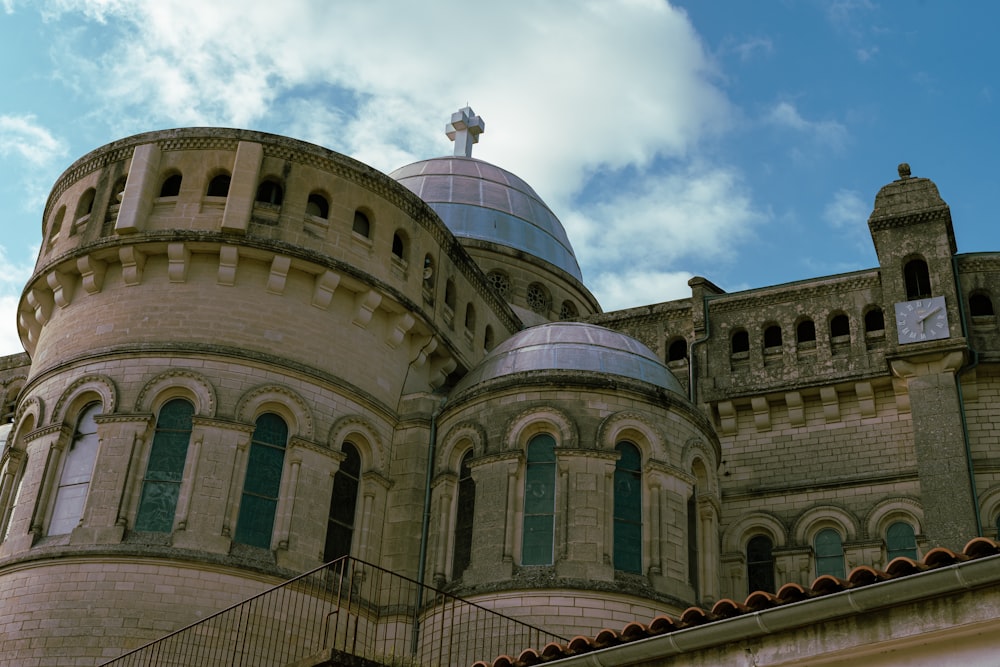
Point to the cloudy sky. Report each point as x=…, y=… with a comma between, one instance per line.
x=741, y=141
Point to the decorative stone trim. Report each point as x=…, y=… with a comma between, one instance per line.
x=282, y=400
x=101, y=385
x=178, y=383
x=541, y=420
x=368, y=442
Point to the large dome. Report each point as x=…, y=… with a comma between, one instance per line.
x=575, y=346
x=478, y=200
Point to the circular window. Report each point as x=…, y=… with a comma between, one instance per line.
x=500, y=283
x=538, y=298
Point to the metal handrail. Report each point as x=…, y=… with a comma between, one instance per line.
x=346, y=606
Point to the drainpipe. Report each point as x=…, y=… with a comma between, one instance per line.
x=692, y=375
x=425, y=526
x=961, y=398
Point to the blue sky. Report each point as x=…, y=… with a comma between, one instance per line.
x=741, y=141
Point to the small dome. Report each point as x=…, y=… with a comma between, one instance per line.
x=478, y=200
x=572, y=346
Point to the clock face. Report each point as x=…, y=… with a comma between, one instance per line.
x=920, y=320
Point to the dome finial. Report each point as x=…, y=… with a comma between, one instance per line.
x=464, y=130
x=904, y=170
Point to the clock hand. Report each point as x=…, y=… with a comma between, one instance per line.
x=921, y=318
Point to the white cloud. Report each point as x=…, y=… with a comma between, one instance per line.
x=13, y=276
x=635, y=288
x=828, y=132
x=750, y=48
x=10, y=343
x=847, y=209
x=24, y=137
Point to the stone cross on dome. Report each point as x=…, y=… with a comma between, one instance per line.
x=464, y=130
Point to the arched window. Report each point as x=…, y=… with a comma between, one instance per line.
x=840, y=325
x=398, y=246
x=428, y=272
x=343, y=505
x=219, y=186
x=874, y=320
x=829, y=552
x=85, y=204
x=760, y=564
x=805, y=332
x=362, y=225
x=500, y=282
x=538, y=298
x=772, y=336
x=161, y=484
x=5, y=519
x=917, y=279
x=628, y=509
x=568, y=310
x=470, y=317
x=77, y=469
x=488, y=342
x=57, y=222
x=740, y=342
x=263, y=481
x=317, y=206
x=539, y=501
x=171, y=186
x=980, y=305
x=449, y=293
x=677, y=350
x=463, y=519
x=117, y=190
x=270, y=192
x=900, y=541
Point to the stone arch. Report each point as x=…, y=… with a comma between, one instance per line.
x=899, y=508
x=695, y=449
x=84, y=390
x=735, y=537
x=177, y=384
x=635, y=428
x=453, y=445
x=29, y=416
x=363, y=436
x=817, y=518
x=541, y=420
x=280, y=400
x=989, y=503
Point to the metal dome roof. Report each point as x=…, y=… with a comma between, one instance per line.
x=478, y=200
x=573, y=346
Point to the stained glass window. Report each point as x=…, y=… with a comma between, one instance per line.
x=628, y=509
x=343, y=506
x=900, y=541
x=463, y=520
x=829, y=553
x=539, y=501
x=78, y=466
x=760, y=564
x=162, y=483
x=263, y=482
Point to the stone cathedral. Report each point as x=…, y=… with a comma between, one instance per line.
x=247, y=356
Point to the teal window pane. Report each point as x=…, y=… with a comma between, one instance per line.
x=628, y=509
x=539, y=502
x=343, y=506
x=262, y=482
x=829, y=553
x=900, y=541
x=165, y=469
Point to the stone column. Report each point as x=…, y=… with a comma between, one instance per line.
x=939, y=443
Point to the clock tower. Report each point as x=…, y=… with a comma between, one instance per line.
x=915, y=242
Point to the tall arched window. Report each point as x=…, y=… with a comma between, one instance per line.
x=463, y=519
x=263, y=481
x=362, y=225
x=829, y=552
x=917, y=279
x=162, y=483
x=874, y=320
x=980, y=305
x=539, y=501
x=760, y=564
x=628, y=509
x=840, y=325
x=900, y=541
x=78, y=467
x=772, y=336
x=470, y=317
x=343, y=505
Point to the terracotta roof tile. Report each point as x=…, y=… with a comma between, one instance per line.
x=980, y=547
